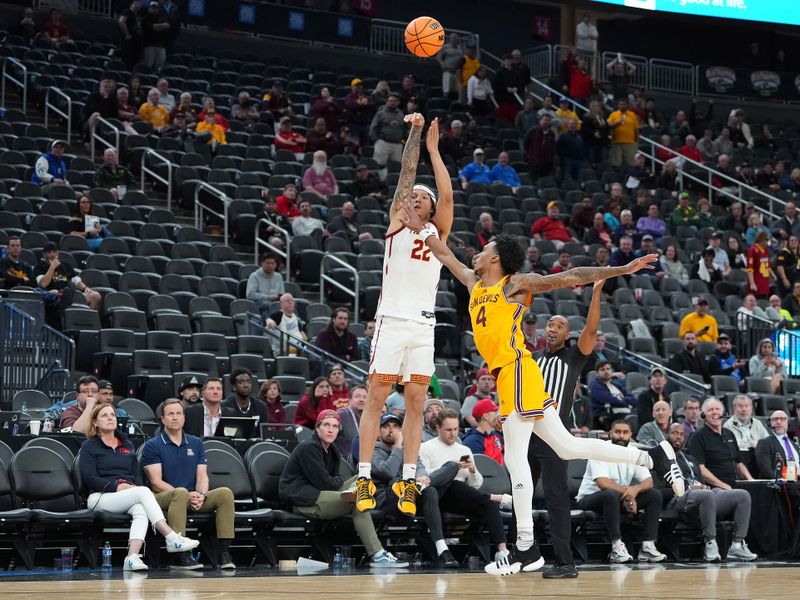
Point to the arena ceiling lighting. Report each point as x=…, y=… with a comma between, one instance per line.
x=767, y=11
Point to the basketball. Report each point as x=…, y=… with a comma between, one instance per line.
x=424, y=37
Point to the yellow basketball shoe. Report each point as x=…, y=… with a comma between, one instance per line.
x=365, y=494
x=406, y=492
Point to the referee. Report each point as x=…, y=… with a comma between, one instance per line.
x=561, y=367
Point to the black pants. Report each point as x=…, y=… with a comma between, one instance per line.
x=461, y=499
x=429, y=502
x=608, y=502
x=546, y=464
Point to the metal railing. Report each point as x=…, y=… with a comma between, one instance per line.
x=638, y=78
x=325, y=278
x=155, y=174
x=52, y=106
x=286, y=255
x=388, y=37
x=750, y=330
x=97, y=137
x=200, y=208
x=100, y=8
x=539, y=61
x=30, y=354
x=672, y=76
x=12, y=77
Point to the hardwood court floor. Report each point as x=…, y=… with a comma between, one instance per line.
x=636, y=582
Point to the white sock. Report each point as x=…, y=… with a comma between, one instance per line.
x=172, y=537
x=409, y=472
x=524, y=539
x=440, y=546
x=365, y=470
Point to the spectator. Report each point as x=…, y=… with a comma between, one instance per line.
x=326, y=107
x=624, y=127
x=768, y=178
x=317, y=399
x=13, y=270
x=689, y=360
x=486, y=229
x=215, y=133
x=471, y=64
x=504, y=173
x=430, y=410
x=26, y=28
x=705, y=269
x=359, y=110
x=776, y=312
x=565, y=114
x=319, y=179
x=346, y=224
x=505, y=84
x=540, y=143
x=598, y=233
x=736, y=257
x=582, y=216
x=484, y=390
x=791, y=302
x=476, y=171
x=442, y=459
x=759, y=269
x=50, y=168
x=747, y=430
x=639, y=176
x=707, y=148
x=241, y=402
x=189, y=391
x=703, y=325
x=336, y=339
x=670, y=178
x=85, y=224
x=202, y=419
x=179, y=480
x=209, y=105
x=154, y=113
x=624, y=254
x=679, y=126
x=310, y=482
x=562, y=263
x=529, y=324
x=365, y=343
x=110, y=471
x=652, y=224
x=268, y=231
x=137, y=93
x=620, y=73
x=127, y=111
x=60, y=278
x=776, y=445
x=245, y=110
x=613, y=488
x=101, y=103
x=130, y=29
x=691, y=417
x=787, y=264
x=78, y=417
x=527, y=118
x=286, y=203
x=387, y=131
x=720, y=256
x=270, y=394
x=596, y=134
x=349, y=415
x=339, y=389
x=165, y=99
x=288, y=139
x=285, y=321
x=181, y=131
x=483, y=438
x=755, y=226
x=55, y=29
x=570, y=150
x=709, y=504
x=735, y=221
x=319, y=138
x=748, y=313
x=766, y=364
x=533, y=262
x=155, y=36
x=656, y=392
x=655, y=430
x=265, y=285
x=723, y=362
x=367, y=183
x=672, y=266
x=277, y=102
x=580, y=81
x=480, y=95
x=111, y=176
x=599, y=353
x=607, y=394
x=451, y=60
x=305, y=224
x=551, y=227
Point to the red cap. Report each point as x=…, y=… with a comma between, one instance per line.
x=327, y=414
x=482, y=407
x=482, y=372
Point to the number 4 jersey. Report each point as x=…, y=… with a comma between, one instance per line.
x=410, y=277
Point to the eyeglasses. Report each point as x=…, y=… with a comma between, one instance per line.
x=780, y=419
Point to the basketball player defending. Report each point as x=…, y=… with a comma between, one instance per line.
x=402, y=347
x=498, y=298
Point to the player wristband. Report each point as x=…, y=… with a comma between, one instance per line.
x=425, y=234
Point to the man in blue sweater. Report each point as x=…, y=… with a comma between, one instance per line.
x=503, y=172
x=476, y=171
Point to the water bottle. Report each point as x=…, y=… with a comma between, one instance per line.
x=417, y=562
x=23, y=407
x=105, y=554
x=337, y=560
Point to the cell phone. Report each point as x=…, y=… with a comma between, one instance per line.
x=465, y=457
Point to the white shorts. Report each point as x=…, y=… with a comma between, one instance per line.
x=402, y=351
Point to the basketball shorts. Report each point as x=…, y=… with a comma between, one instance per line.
x=402, y=351
x=520, y=387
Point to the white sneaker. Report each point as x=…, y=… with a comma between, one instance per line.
x=503, y=564
x=133, y=562
x=740, y=551
x=619, y=554
x=182, y=544
x=649, y=553
x=506, y=502
x=711, y=551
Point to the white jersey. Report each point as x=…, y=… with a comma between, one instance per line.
x=410, y=277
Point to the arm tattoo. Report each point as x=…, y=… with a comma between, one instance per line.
x=408, y=170
x=575, y=276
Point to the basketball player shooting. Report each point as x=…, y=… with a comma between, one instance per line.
x=499, y=296
x=402, y=346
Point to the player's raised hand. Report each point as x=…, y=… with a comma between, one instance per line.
x=432, y=138
x=416, y=119
x=409, y=217
x=598, y=285
x=644, y=262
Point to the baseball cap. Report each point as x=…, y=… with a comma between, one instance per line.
x=327, y=414
x=563, y=99
x=684, y=195
x=482, y=372
x=105, y=384
x=656, y=370
x=647, y=237
x=482, y=407
x=477, y=151
x=701, y=300
x=552, y=203
x=723, y=336
x=390, y=417
x=189, y=382
x=362, y=167
x=336, y=368
x=529, y=317
x=430, y=402
x=356, y=81
x=55, y=143
x=396, y=401
x=716, y=235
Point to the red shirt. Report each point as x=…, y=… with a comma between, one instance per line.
x=55, y=31
x=306, y=413
x=286, y=207
x=289, y=141
x=665, y=155
x=218, y=119
x=693, y=153
x=758, y=265
x=341, y=398
x=580, y=83
x=551, y=229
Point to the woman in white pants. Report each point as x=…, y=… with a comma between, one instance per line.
x=111, y=473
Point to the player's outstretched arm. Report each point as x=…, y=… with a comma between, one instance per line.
x=589, y=332
x=408, y=168
x=444, y=186
x=534, y=284
x=410, y=218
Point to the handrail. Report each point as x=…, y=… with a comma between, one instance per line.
x=200, y=207
x=684, y=80
x=48, y=106
x=325, y=278
x=23, y=85
x=157, y=176
x=94, y=136
x=639, y=78
x=285, y=255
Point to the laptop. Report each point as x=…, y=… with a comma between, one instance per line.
x=236, y=427
x=280, y=435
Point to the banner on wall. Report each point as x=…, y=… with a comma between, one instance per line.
x=543, y=29
x=760, y=83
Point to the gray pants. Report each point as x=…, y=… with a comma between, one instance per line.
x=713, y=504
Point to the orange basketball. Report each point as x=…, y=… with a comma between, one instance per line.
x=424, y=37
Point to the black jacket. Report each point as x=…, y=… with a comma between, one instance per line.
x=645, y=402
x=766, y=451
x=102, y=467
x=309, y=471
x=195, y=425
x=257, y=408
x=683, y=361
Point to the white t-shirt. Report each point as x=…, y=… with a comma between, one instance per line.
x=620, y=473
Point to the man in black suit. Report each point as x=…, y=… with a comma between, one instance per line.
x=203, y=418
x=778, y=444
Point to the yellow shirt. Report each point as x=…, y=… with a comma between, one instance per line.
x=694, y=322
x=627, y=132
x=563, y=118
x=469, y=69
x=157, y=116
x=217, y=132
x=497, y=325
